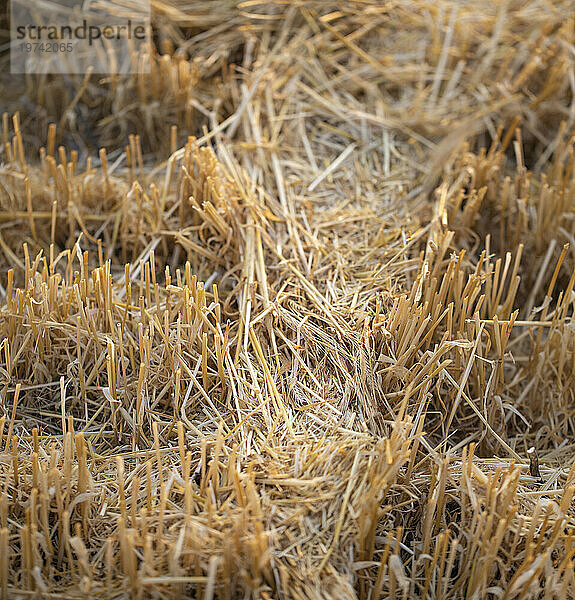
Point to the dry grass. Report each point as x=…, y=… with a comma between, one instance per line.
x=295, y=331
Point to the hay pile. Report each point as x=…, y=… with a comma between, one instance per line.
x=292, y=333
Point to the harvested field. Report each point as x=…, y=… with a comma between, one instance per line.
x=292, y=316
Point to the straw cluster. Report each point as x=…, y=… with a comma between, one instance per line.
x=292, y=316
